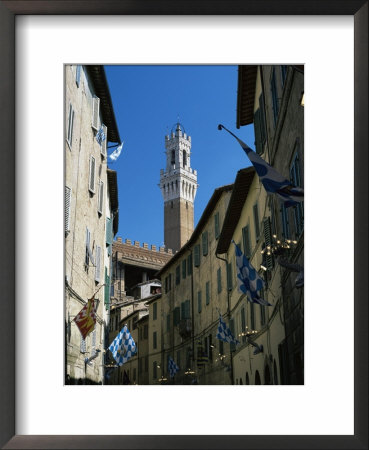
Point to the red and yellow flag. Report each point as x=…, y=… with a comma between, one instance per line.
x=86, y=318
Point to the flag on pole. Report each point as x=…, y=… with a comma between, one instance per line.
x=86, y=318
x=273, y=181
x=172, y=367
x=100, y=136
x=249, y=281
x=123, y=347
x=114, y=156
x=224, y=333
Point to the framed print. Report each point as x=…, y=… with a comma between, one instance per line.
x=41, y=408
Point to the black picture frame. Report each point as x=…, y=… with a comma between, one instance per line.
x=8, y=11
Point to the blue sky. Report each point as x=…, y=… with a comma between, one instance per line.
x=147, y=101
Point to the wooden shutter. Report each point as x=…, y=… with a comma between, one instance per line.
x=216, y=225
x=246, y=241
x=91, y=182
x=68, y=194
x=207, y=292
x=197, y=255
x=184, y=268
x=101, y=197
x=219, y=280
x=262, y=120
x=257, y=128
x=98, y=265
x=95, y=113
x=88, y=237
x=70, y=125
x=104, y=144
x=178, y=274
x=109, y=231
x=256, y=221
x=107, y=290
x=229, y=277
x=78, y=75
x=199, y=302
x=189, y=264
x=83, y=347
x=205, y=243
x=268, y=242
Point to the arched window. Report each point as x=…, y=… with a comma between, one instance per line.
x=173, y=158
x=184, y=159
x=247, y=378
x=241, y=382
x=257, y=378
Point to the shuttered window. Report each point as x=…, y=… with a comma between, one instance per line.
x=219, y=280
x=70, y=125
x=68, y=194
x=246, y=241
x=109, y=231
x=78, y=75
x=185, y=309
x=275, y=101
x=88, y=251
x=104, y=144
x=101, y=197
x=268, y=242
x=256, y=221
x=176, y=315
x=257, y=128
x=98, y=265
x=199, y=302
x=285, y=222
x=154, y=340
x=91, y=179
x=178, y=275
x=83, y=346
x=189, y=264
x=196, y=251
x=154, y=311
x=205, y=243
x=107, y=290
x=184, y=268
x=95, y=113
x=216, y=226
x=229, y=277
x=207, y=292
x=93, y=345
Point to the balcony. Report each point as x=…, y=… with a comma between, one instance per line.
x=184, y=328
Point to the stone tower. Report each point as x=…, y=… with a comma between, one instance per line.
x=178, y=184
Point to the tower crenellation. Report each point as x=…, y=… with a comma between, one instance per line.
x=178, y=184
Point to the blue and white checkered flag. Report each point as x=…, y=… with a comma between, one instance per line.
x=123, y=347
x=249, y=281
x=224, y=333
x=114, y=156
x=172, y=367
x=273, y=181
x=100, y=136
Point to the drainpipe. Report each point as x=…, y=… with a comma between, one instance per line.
x=228, y=312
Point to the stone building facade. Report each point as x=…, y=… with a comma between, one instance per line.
x=178, y=184
x=91, y=216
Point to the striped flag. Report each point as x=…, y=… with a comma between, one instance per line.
x=249, y=281
x=114, y=156
x=86, y=318
x=172, y=367
x=273, y=181
x=123, y=347
x=100, y=136
x=224, y=333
